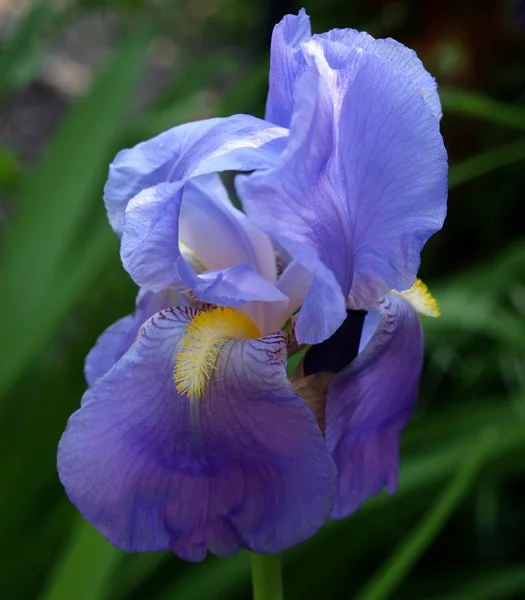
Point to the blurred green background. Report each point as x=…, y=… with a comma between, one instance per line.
x=78, y=81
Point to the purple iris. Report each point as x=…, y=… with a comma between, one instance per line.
x=191, y=436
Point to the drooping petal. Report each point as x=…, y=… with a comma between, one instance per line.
x=286, y=61
x=360, y=187
x=371, y=401
x=244, y=465
x=116, y=340
x=240, y=142
x=150, y=250
x=109, y=347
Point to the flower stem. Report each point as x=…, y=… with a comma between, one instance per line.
x=267, y=577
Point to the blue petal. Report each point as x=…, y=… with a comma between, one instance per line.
x=150, y=241
x=360, y=187
x=245, y=465
x=109, y=347
x=240, y=142
x=117, y=339
x=403, y=60
x=150, y=248
x=220, y=234
x=286, y=62
x=370, y=402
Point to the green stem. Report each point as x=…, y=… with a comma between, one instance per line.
x=267, y=577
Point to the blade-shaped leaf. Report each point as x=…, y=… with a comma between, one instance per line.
x=22, y=53
x=481, y=107
x=72, y=578
x=395, y=569
x=56, y=200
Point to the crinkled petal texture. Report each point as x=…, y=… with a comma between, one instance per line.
x=240, y=143
x=287, y=63
x=166, y=191
x=402, y=59
x=360, y=187
x=370, y=402
x=236, y=261
x=245, y=465
x=182, y=231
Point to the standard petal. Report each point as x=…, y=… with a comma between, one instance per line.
x=286, y=62
x=151, y=255
x=244, y=465
x=294, y=283
x=220, y=234
x=360, y=187
x=404, y=60
x=117, y=339
x=370, y=402
x=239, y=143
x=150, y=242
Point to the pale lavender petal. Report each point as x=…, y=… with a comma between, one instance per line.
x=286, y=62
x=360, y=187
x=239, y=143
x=150, y=242
x=294, y=283
x=150, y=253
x=245, y=465
x=370, y=402
x=220, y=234
x=233, y=286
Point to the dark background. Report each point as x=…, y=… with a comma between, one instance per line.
x=78, y=81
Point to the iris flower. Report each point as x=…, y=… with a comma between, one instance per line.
x=191, y=437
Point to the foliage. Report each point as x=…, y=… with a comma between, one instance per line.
x=453, y=529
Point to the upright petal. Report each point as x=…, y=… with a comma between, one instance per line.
x=286, y=62
x=113, y=343
x=220, y=234
x=360, y=187
x=370, y=402
x=150, y=241
x=244, y=465
x=240, y=142
x=150, y=250
x=404, y=60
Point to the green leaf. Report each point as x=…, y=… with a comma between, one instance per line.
x=464, y=311
x=224, y=577
x=502, y=583
x=484, y=163
x=45, y=252
x=22, y=52
x=85, y=567
x=293, y=361
x=10, y=168
x=482, y=107
x=397, y=567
